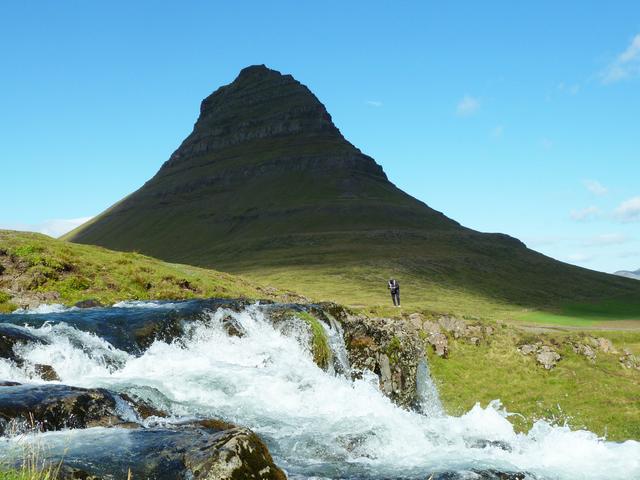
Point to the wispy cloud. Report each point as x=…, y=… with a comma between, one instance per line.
x=595, y=187
x=584, y=214
x=467, y=106
x=626, y=65
x=581, y=257
x=629, y=210
x=497, y=131
x=571, y=89
x=606, y=240
x=374, y=103
x=54, y=227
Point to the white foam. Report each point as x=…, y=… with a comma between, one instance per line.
x=45, y=309
x=322, y=423
x=144, y=304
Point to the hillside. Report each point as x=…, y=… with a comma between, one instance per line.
x=268, y=187
x=37, y=269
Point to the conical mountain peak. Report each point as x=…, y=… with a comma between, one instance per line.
x=266, y=184
x=259, y=104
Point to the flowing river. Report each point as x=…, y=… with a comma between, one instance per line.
x=318, y=424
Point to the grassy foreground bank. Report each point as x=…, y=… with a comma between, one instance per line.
x=600, y=395
x=38, y=269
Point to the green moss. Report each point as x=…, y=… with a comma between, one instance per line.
x=319, y=342
x=394, y=348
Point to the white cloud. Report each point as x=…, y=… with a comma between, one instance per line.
x=497, y=131
x=629, y=210
x=581, y=257
x=606, y=239
x=585, y=213
x=467, y=106
x=54, y=228
x=626, y=65
x=595, y=187
x=374, y=103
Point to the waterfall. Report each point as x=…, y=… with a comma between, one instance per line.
x=316, y=424
x=335, y=336
x=427, y=393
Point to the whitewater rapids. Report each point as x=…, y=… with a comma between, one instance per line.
x=317, y=424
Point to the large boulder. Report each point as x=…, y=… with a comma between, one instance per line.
x=54, y=407
x=12, y=335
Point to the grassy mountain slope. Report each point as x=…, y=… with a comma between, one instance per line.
x=38, y=269
x=267, y=186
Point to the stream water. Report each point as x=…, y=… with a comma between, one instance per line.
x=317, y=424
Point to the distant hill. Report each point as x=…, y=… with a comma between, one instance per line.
x=625, y=273
x=267, y=186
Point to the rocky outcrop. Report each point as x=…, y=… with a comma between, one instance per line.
x=202, y=449
x=54, y=407
x=545, y=355
x=629, y=360
x=10, y=336
x=235, y=453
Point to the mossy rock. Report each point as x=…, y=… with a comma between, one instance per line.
x=319, y=341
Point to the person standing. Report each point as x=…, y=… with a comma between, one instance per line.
x=394, y=288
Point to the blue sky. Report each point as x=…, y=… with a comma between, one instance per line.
x=507, y=116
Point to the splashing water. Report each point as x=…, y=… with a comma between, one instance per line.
x=318, y=424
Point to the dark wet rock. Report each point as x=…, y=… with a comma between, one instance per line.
x=483, y=443
x=12, y=335
x=53, y=407
x=46, y=372
x=388, y=347
x=232, y=326
x=66, y=472
x=476, y=475
x=89, y=303
x=141, y=407
x=236, y=453
x=169, y=452
x=6, y=383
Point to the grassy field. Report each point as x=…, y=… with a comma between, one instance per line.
x=363, y=288
x=37, y=268
x=601, y=314
x=600, y=396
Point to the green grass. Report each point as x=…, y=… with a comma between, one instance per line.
x=363, y=288
x=37, y=266
x=27, y=474
x=319, y=342
x=587, y=314
x=600, y=396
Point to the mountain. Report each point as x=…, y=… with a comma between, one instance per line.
x=267, y=186
x=625, y=273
